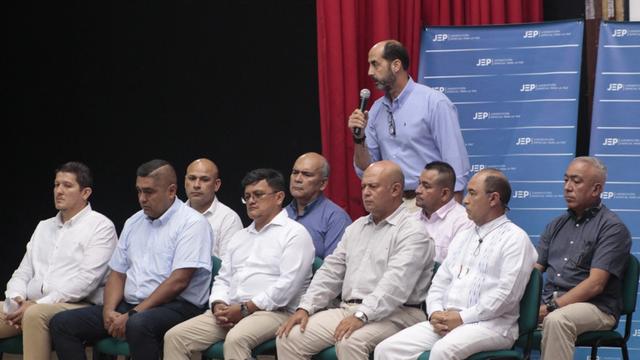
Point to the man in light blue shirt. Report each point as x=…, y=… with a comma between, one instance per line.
x=411, y=125
x=324, y=220
x=161, y=270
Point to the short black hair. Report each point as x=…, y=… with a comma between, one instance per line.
x=80, y=170
x=273, y=177
x=446, y=174
x=149, y=167
x=395, y=50
x=498, y=183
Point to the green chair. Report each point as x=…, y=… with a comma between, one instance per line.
x=115, y=347
x=216, y=351
x=612, y=338
x=527, y=324
x=11, y=345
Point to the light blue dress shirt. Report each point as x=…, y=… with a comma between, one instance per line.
x=324, y=220
x=426, y=130
x=150, y=250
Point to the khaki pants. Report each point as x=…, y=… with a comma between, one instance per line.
x=35, y=328
x=561, y=328
x=321, y=326
x=200, y=332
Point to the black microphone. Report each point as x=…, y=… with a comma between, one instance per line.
x=364, y=97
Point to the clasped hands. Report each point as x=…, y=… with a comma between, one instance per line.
x=226, y=315
x=15, y=318
x=445, y=321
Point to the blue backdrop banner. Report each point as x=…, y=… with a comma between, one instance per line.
x=516, y=88
x=615, y=137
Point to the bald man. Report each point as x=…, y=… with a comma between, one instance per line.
x=201, y=183
x=324, y=220
x=474, y=300
x=412, y=124
x=382, y=267
x=160, y=274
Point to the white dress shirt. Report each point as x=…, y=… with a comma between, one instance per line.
x=270, y=267
x=224, y=221
x=385, y=265
x=485, y=280
x=65, y=262
x=444, y=224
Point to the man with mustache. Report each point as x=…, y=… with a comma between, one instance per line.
x=584, y=253
x=65, y=264
x=324, y=220
x=412, y=124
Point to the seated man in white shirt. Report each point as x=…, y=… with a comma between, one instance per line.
x=265, y=270
x=441, y=214
x=473, y=302
x=201, y=183
x=382, y=266
x=64, y=266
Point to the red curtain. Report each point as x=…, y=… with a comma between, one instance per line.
x=346, y=31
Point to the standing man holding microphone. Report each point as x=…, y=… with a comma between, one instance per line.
x=411, y=125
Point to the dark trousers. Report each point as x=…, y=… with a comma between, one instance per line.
x=71, y=330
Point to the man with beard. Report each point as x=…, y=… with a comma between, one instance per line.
x=411, y=125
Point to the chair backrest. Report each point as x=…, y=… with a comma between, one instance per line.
x=215, y=268
x=630, y=286
x=530, y=303
x=317, y=263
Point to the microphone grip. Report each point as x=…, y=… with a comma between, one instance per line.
x=357, y=132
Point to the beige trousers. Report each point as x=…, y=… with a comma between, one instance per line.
x=561, y=328
x=200, y=332
x=320, y=329
x=35, y=328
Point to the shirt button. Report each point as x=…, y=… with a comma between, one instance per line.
x=565, y=259
x=558, y=275
x=571, y=242
x=577, y=225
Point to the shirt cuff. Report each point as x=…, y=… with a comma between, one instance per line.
x=49, y=299
x=433, y=308
x=469, y=316
x=263, y=302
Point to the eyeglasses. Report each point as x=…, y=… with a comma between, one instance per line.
x=257, y=195
x=391, y=122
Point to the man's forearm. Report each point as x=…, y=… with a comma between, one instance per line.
x=361, y=156
x=114, y=290
x=585, y=290
x=168, y=290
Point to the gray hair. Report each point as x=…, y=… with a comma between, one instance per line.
x=596, y=163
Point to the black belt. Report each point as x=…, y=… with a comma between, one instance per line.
x=359, y=301
x=409, y=194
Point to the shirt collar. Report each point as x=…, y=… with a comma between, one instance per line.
x=587, y=214
x=310, y=206
x=441, y=213
x=278, y=220
x=164, y=218
x=392, y=219
x=211, y=210
x=491, y=225
x=82, y=213
x=404, y=95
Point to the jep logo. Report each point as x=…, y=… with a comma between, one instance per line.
x=610, y=141
x=440, y=37
x=607, y=195
x=521, y=194
x=615, y=87
x=484, y=62
x=524, y=141
x=480, y=115
x=477, y=167
x=527, y=87
x=440, y=88
x=530, y=34
x=620, y=32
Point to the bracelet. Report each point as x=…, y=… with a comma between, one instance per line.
x=359, y=140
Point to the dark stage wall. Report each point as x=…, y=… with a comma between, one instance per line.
x=116, y=84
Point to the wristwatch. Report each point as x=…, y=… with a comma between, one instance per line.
x=551, y=305
x=361, y=316
x=359, y=140
x=244, y=310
